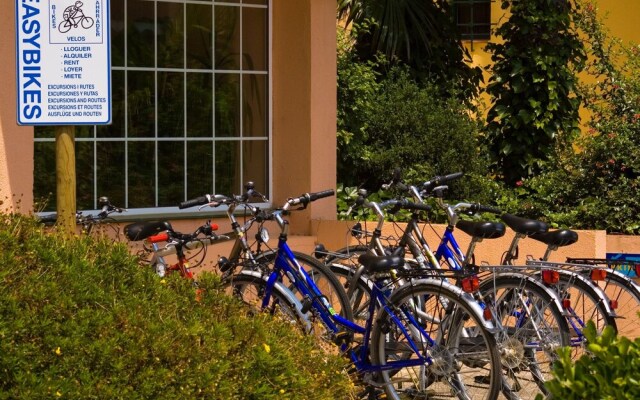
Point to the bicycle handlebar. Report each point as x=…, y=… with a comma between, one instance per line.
x=481, y=208
x=198, y=201
x=434, y=182
x=307, y=198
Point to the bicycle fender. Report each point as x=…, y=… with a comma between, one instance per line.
x=436, y=283
x=304, y=319
x=597, y=289
x=530, y=279
x=633, y=283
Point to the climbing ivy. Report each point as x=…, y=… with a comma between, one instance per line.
x=532, y=87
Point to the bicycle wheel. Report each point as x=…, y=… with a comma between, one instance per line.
x=626, y=294
x=584, y=302
x=463, y=358
x=250, y=288
x=65, y=26
x=87, y=22
x=321, y=275
x=530, y=328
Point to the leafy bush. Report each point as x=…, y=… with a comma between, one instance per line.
x=79, y=319
x=533, y=86
x=405, y=125
x=594, y=183
x=611, y=369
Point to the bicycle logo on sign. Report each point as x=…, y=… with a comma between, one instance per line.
x=73, y=16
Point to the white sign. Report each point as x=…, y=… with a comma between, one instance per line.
x=63, y=62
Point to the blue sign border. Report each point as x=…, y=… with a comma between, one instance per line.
x=107, y=30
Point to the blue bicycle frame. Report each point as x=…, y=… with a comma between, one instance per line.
x=286, y=263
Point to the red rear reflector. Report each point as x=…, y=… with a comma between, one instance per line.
x=550, y=277
x=614, y=304
x=470, y=284
x=160, y=237
x=486, y=314
x=598, y=274
x=214, y=227
x=566, y=303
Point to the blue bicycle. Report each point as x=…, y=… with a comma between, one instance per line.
x=528, y=316
x=425, y=338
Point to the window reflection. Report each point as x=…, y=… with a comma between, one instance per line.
x=190, y=102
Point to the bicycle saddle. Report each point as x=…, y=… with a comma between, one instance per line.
x=374, y=263
x=142, y=230
x=524, y=226
x=561, y=237
x=482, y=229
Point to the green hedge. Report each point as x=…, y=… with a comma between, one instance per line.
x=80, y=319
x=610, y=370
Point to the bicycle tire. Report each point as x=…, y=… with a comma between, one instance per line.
x=65, y=26
x=250, y=288
x=626, y=293
x=89, y=22
x=531, y=327
x=462, y=366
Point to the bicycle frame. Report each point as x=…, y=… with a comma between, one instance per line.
x=286, y=263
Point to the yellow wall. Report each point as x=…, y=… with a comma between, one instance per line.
x=620, y=17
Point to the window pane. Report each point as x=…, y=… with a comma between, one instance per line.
x=227, y=99
x=199, y=168
x=227, y=37
x=170, y=173
x=193, y=71
x=474, y=18
x=170, y=104
x=117, y=126
x=228, y=180
x=44, y=176
x=110, y=162
x=140, y=33
x=255, y=160
x=84, y=131
x=199, y=36
x=199, y=105
x=141, y=103
x=170, y=35
x=84, y=176
x=117, y=33
x=141, y=185
x=254, y=105
x=45, y=131
x=254, y=39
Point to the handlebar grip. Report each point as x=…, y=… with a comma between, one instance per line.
x=416, y=206
x=480, y=208
x=322, y=194
x=438, y=180
x=451, y=177
x=160, y=237
x=198, y=201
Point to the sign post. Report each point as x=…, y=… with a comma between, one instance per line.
x=64, y=77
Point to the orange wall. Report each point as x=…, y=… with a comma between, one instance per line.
x=304, y=105
x=16, y=143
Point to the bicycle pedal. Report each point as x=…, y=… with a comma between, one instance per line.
x=306, y=305
x=342, y=338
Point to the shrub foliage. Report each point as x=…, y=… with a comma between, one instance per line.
x=80, y=319
x=610, y=370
